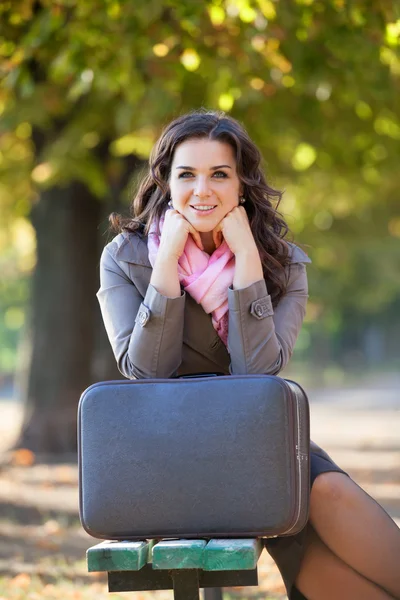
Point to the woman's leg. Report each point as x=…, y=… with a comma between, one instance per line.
x=357, y=530
x=324, y=576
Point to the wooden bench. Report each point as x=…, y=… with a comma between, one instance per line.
x=181, y=565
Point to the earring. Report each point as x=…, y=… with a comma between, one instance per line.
x=242, y=200
x=170, y=203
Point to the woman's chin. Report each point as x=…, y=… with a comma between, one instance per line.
x=203, y=221
x=201, y=226
x=204, y=224
x=202, y=229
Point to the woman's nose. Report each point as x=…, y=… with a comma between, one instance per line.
x=202, y=188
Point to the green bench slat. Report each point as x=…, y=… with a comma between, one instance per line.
x=231, y=555
x=214, y=555
x=118, y=556
x=179, y=554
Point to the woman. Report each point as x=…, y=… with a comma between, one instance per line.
x=200, y=279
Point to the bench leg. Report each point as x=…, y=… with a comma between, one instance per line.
x=213, y=594
x=186, y=584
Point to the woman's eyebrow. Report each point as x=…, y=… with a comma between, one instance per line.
x=211, y=168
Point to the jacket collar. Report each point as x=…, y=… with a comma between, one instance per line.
x=297, y=255
x=132, y=248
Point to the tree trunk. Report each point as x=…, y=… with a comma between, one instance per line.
x=104, y=366
x=63, y=310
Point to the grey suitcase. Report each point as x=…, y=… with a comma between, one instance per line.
x=213, y=457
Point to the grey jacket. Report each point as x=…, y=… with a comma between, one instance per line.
x=157, y=337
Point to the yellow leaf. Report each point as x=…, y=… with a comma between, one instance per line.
x=393, y=33
x=267, y=9
x=23, y=457
x=304, y=157
x=42, y=172
x=226, y=101
x=21, y=580
x=47, y=545
x=190, y=59
x=217, y=15
x=160, y=50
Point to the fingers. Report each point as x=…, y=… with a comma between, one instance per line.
x=218, y=234
x=173, y=213
x=196, y=236
x=217, y=237
x=169, y=212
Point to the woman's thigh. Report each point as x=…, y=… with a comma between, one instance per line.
x=356, y=529
x=324, y=576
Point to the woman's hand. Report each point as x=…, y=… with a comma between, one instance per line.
x=174, y=235
x=235, y=230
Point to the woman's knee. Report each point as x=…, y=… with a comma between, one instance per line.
x=331, y=487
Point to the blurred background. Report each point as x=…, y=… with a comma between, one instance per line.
x=87, y=87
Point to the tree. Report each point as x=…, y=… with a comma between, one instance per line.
x=87, y=87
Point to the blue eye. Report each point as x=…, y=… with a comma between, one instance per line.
x=182, y=175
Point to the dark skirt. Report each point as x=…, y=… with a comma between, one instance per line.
x=288, y=552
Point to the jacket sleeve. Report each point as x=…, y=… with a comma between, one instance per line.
x=146, y=334
x=262, y=340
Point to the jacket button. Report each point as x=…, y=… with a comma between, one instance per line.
x=259, y=310
x=143, y=316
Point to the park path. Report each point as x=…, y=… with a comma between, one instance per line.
x=358, y=426
x=360, y=429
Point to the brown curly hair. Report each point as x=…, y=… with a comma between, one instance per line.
x=267, y=224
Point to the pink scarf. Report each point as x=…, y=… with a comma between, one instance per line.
x=206, y=278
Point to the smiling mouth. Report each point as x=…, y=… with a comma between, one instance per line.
x=204, y=208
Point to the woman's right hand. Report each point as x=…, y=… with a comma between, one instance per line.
x=174, y=235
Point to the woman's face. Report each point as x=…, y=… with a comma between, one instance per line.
x=203, y=183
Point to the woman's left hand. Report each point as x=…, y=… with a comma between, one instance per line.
x=235, y=230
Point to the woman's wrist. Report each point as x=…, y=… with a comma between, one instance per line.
x=166, y=259
x=248, y=269
x=165, y=278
